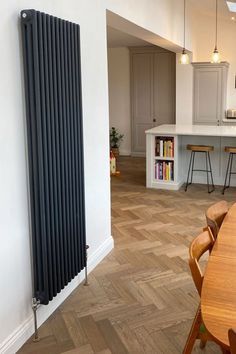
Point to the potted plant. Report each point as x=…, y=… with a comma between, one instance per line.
x=115, y=140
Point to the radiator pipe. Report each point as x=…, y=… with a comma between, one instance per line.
x=86, y=283
x=35, y=306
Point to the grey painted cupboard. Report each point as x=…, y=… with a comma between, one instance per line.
x=152, y=92
x=209, y=94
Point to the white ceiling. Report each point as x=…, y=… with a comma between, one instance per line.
x=116, y=38
x=232, y=5
x=209, y=6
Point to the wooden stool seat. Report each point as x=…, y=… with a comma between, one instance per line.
x=200, y=148
x=231, y=149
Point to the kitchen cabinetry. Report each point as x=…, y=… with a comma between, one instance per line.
x=152, y=92
x=210, y=90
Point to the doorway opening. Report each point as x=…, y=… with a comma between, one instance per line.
x=142, y=90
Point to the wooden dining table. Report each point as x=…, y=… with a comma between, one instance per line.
x=218, y=296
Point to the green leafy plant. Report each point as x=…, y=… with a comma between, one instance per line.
x=115, y=138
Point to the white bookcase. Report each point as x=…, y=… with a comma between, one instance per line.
x=162, y=164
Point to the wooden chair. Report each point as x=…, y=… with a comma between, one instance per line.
x=232, y=341
x=201, y=244
x=215, y=215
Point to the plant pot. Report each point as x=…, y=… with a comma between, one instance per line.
x=116, y=152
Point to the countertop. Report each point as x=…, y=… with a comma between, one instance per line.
x=199, y=130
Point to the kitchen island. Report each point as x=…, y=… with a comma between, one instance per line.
x=167, y=158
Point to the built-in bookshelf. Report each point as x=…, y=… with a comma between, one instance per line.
x=164, y=147
x=164, y=170
x=162, y=164
x=164, y=158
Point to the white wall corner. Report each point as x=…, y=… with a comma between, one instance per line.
x=21, y=334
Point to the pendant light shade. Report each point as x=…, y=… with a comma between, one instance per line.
x=215, y=57
x=184, y=59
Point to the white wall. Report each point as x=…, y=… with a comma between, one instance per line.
x=203, y=46
x=162, y=17
x=184, y=92
x=119, y=94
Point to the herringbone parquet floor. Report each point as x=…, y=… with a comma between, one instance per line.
x=141, y=298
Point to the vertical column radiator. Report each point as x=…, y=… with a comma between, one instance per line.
x=51, y=51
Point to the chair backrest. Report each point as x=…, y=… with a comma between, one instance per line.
x=215, y=215
x=201, y=244
x=232, y=341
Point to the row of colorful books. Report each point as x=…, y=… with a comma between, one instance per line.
x=164, y=147
x=164, y=170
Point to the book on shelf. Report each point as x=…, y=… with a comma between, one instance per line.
x=164, y=147
x=164, y=170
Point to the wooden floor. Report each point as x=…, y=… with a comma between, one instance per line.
x=141, y=298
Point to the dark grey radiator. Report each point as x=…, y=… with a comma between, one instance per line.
x=51, y=51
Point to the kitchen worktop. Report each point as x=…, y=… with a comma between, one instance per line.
x=198, y=130
x=180, y=135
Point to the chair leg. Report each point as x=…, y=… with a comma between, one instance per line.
x=203, y=343
x=194, y=332
x=226, y=175
x=189, y=168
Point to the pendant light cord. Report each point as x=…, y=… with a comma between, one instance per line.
x=216, y=24
x=184, y=20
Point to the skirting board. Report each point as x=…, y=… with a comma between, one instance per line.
x=125, y=152
x=165, y=185
x=26, y=329
x=138, y=154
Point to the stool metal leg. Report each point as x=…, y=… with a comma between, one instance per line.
x=189, y=168
x=212, y=183
x=192, y=167
x=230, y=169
x=207, y=173
x=228, y=173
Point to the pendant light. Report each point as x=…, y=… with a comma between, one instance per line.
x=184, y=59
x=215, y=58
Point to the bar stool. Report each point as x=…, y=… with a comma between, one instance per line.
x=232, y=151
x=203, y=149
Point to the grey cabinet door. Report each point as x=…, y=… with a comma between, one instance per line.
x=164, y=88
x=142, y=99
x=210, y=85
x=152, y=92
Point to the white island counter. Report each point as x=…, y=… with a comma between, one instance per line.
x=167, y=157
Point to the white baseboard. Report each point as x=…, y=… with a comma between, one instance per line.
x=125, y=152
x=138, y=154
x=20, y=335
